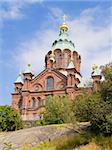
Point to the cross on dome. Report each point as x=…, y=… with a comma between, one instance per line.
x=64, y=18
x=64, y=26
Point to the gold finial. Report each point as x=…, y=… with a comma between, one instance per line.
x=29, y=65
x=94, y=67
x=64, y=26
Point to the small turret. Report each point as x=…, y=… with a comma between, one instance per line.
x=18, y=83
x=17, y=94
x=96, y=76
x=51, y=60
x=72, y=81
x=28, y=75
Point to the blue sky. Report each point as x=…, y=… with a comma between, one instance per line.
x=29, y=27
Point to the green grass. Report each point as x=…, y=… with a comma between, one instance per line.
x=103, y=142
x=63, y=143
x=85, y=141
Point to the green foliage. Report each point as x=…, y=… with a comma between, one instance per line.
x=58, y=110
x=10, y=120
x=73, y=141
x=63, y=143
x=26, y=147
x=97, y=107
x=92, y=108
x=40, y=122
x=83, y=106
x=106, y=87
x=103, y=142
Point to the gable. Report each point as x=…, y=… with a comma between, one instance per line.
x=47, y=72
x=40, y=80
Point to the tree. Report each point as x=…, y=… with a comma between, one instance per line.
x=10, y=120
x=106, y=86
x=58, y=110
x=97, y=107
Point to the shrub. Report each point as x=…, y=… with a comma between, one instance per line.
x=92, y=108
x=97, y=107
x=58, y=110
x=40, y=122
x=10, y=120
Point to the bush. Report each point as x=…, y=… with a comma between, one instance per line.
x=97, y=107
x=10, y=120
x=40, y=122
x=58, y=110
x=106, y=86
x=92, y=108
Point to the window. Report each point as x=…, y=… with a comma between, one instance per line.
x=66, y=59
x=58, y=60
x=33, y=103
x=50, y=83
x=37, y=88
x=39, y=102
x=58, y=57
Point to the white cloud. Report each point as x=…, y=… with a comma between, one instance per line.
x=12, y=9
x=34, y=50
x=92, y=41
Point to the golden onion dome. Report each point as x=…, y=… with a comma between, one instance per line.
x=64, y=27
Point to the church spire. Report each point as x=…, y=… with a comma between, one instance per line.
x=19, y=78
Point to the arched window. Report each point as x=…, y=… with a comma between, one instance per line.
x=50, y=83
x=33, y=102
x=39, y=102
x=66, y=59
x=58, y=60
x=37, y=88
x=58, y=57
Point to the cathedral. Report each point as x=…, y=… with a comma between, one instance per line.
x=61, y=76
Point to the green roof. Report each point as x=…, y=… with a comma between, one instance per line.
x=19, y=79
x=63, y=42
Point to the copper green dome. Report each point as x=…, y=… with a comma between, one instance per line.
x=63, y=41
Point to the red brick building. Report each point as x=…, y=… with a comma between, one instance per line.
x=61, y=76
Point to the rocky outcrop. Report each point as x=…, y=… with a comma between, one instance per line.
x=36, y=135
x=33, y=136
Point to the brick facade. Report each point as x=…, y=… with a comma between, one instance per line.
x=61, y=76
